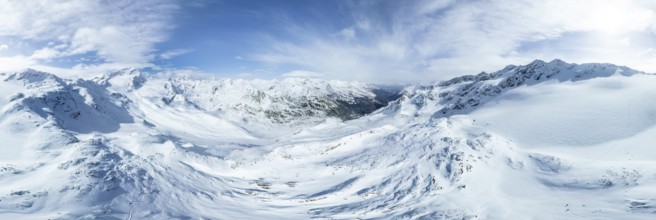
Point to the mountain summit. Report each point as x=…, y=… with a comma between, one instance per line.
x=549, y=140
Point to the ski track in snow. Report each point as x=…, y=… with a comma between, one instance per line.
x=542, y=141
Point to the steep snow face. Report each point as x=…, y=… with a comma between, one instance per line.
x=595, y=111
x=541, y=141
x=69, y=104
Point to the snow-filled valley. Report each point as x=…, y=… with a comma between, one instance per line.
x=547, y=140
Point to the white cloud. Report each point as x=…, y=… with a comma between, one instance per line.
x=45, y=54
x=112, y=43
x=302, y=74
x=4, y=46
x=14, y=63
x=428, y=40
x=117, y=32
x=174, y=53
x=347, y=33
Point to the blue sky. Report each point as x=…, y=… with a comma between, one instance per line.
x=366, y=40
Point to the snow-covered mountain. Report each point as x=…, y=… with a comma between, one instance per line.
x=541, y=141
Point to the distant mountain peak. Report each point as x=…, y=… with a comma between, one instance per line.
x=290, y=100
x=34, y=78
x=128, y=78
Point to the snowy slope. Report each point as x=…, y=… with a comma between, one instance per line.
x=542, y=141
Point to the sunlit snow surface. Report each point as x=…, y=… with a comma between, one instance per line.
x=515, y=144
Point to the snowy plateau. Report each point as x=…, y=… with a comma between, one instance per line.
x=547, y=140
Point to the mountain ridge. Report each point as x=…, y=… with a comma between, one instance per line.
x=132, y=145
x=461, y=95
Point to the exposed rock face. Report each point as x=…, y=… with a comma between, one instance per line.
x=285, y=101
